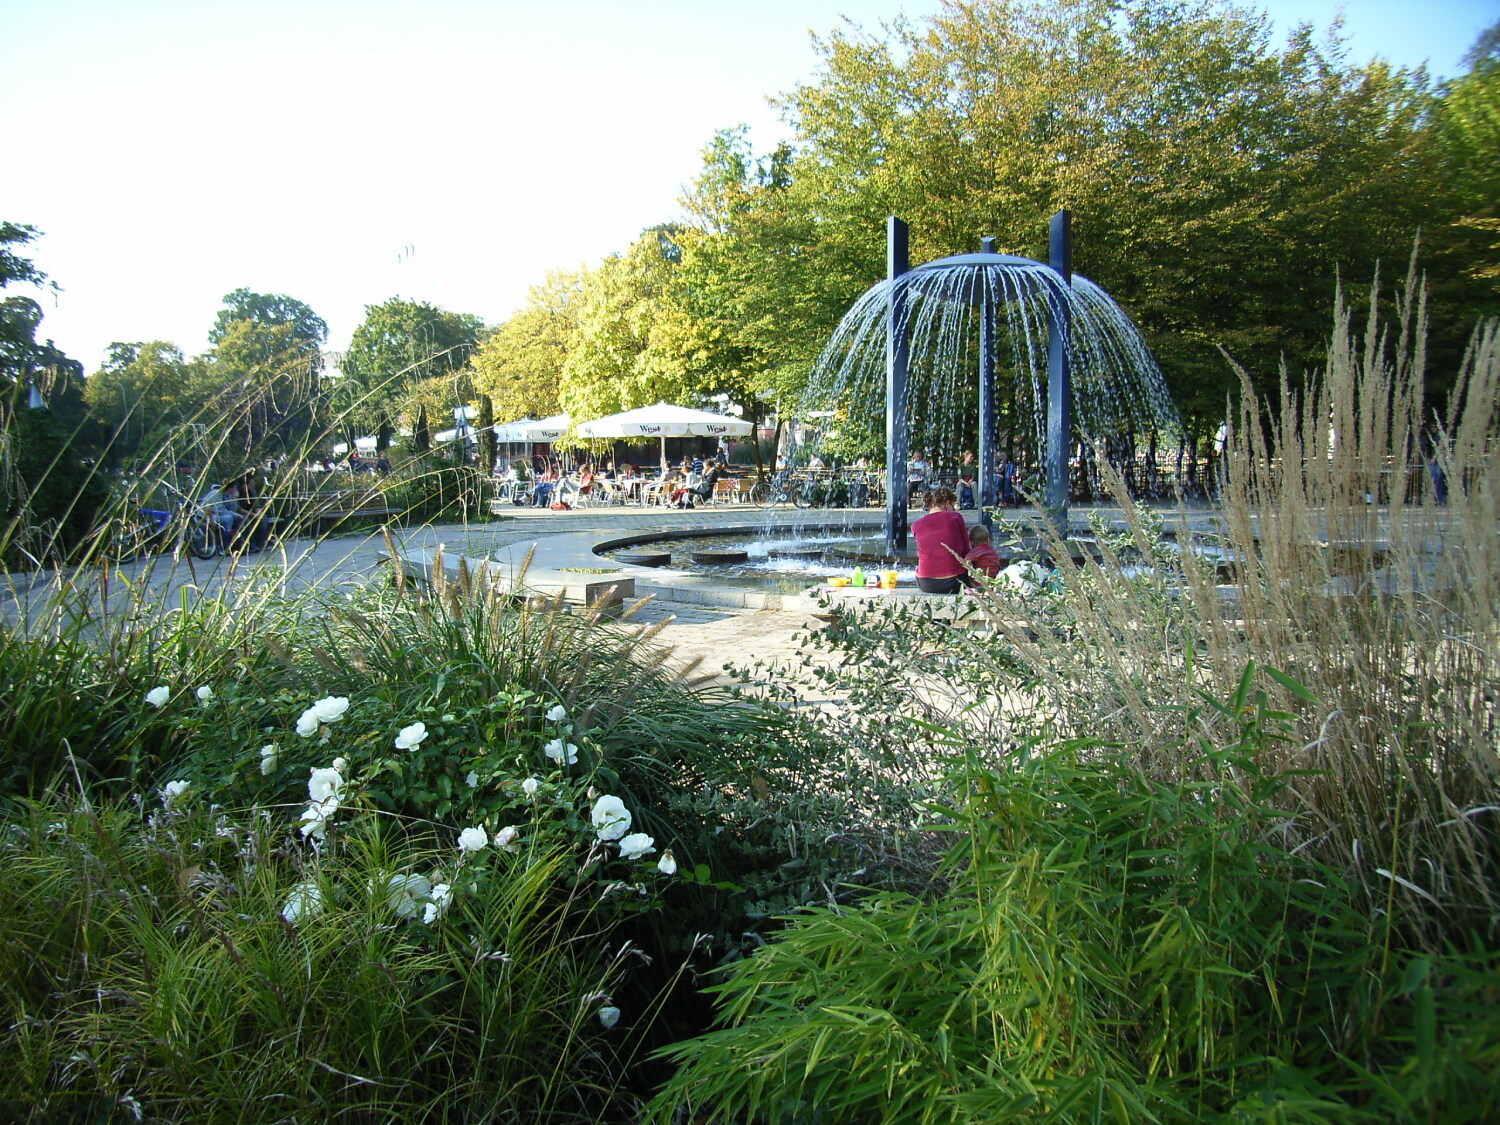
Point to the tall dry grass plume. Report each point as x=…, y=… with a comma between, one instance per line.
x=1358, y=557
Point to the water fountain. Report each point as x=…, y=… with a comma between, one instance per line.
x=941, y=333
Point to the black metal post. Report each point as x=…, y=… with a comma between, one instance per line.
x=984, y=485
x=1059, y=378
x=897, y=356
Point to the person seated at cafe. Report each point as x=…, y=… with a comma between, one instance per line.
x=705, y=489
x=815, y=462
x=546, y=481
x=981, y=556
x=585, y=480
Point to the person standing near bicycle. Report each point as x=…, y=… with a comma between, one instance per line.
x=254, y=525
x=222, y=506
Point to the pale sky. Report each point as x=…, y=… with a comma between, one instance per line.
x=452, y=151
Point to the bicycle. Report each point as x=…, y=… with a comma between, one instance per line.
x=783, y=488
x=138, y=530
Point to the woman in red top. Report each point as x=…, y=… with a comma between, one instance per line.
x=942, y=541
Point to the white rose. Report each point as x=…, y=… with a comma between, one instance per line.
x=636, y=845
x=325, y=783
x=404, y=893
x=557, y=714
x=305, y=901
x=411, y=737
x=307, y=723
x=331, y=709
x=667, y=865
x=205, y=693
x=530, y=786
x=158, y=696
x=561, y=752
x=473, y=840
x=508, y=838
x=610, y=817
x=609, y=1015
x=172, y=790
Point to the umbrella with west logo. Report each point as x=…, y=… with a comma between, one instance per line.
x=663, y=420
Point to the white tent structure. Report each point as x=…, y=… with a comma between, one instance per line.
x=664, y=420
x=363, y=444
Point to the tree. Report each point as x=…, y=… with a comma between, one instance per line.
x=1218, y=186
x=48, y=494
x=628, y=350
x=24, y=361
x=401, y=343
x=520, y=364
x=142, y=392
x=259, y=387
x=489, y=447
x=270, y=309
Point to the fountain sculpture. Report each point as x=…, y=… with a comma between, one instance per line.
x=921, y=325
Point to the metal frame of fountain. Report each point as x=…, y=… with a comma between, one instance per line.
x=1121, y=388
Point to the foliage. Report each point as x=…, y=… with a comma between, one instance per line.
x=520, y=363
x=271, y=310
x=188, y=963
x=618, y=359
x=1205, y=170
x=139, y=395
x=1106, y=946
x=25, y=362
x=402, y=341
x=49, y=497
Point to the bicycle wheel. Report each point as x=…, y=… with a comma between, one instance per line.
x=760, y=494
x=800, y=493
x=204, y=539
x=128, y=536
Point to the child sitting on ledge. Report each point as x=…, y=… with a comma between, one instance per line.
x=981, y=555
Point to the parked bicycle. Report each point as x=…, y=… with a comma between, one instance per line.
x=783, y=488
x=136, y=530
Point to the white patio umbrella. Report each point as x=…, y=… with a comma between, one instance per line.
x=664, y=420
x=548, y=429
x=366, y=444
x=510, y=432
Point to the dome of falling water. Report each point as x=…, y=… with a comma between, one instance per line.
x=1119, y=393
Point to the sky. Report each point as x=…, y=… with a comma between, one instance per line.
x=452, y=151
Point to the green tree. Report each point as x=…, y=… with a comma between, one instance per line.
x=259, y=387
x=398, y=344
x=489, y=447
x=140, y=394
x=270, y=309
x=403, y=341
x=48, y=494
x=1218, y=185
x=25, y=361
x=520, y=364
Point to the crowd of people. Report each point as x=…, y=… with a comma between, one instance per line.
x=550, y=482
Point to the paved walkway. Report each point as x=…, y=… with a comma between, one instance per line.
x=711, y=635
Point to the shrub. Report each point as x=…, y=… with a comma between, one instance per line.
x=184, y=964
x=1106, y=946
